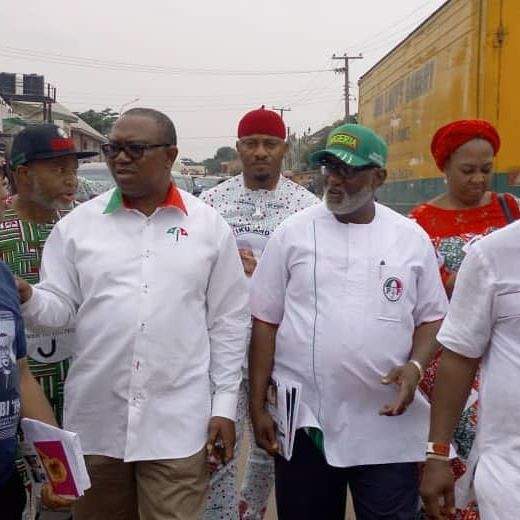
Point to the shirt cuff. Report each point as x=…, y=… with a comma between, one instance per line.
x=225, y=405
x=430, y=318
x=458, y=347
x=267, y=320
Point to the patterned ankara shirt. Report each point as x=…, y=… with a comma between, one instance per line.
x=255, y=214
x=21, y=246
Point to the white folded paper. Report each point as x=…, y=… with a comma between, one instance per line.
x=60, y=455
x=283, y=403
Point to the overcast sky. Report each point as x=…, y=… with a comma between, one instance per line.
x=206, y=62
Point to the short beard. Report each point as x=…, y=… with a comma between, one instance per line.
x=262, y=177
x=42, y=199
x=350, y=203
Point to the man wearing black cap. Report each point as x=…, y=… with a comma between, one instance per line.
x=44, y=164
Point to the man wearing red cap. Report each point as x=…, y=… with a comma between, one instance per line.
x=254, y=204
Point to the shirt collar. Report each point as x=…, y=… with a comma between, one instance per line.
x=173, y=199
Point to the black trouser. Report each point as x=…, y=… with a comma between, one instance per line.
x=308, y=488
x=12, y=498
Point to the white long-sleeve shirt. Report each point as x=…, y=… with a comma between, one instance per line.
x=161, y=310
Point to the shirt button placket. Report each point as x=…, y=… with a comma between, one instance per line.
x=137, y=393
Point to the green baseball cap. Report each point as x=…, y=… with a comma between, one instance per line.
x=355, y=145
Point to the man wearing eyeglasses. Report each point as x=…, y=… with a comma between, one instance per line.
x=44, y=163
x=152, y=279
x=347, y=300
x=254, y=204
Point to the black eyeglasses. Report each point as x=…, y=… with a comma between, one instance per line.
x=133, y=150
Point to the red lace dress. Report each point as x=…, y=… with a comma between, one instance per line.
x=450, y=231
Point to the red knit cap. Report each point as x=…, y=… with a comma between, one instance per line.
x=263, y=122
x=452, y=136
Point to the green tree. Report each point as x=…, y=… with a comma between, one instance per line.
x=101, y=121
x=321, y=143
x=212, y=165
x=223, y=154
x=226, y=153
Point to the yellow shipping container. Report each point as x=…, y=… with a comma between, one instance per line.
x=462, y=62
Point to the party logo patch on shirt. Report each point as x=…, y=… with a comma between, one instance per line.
x=393, y=289
x=177, y=233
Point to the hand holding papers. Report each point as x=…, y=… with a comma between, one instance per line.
x=60, y=455
x=283, y=402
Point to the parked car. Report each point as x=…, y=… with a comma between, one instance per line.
x=184, y=182
x=206, y=183
x=93, y=179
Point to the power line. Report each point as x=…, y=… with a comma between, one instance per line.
x=209, y=108
x=181, y=138
x=297, y=94
x=119, y=66
x=390, y=38
x=374, y=37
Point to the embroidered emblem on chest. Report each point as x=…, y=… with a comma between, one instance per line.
x=177, y=233
x=393, y=289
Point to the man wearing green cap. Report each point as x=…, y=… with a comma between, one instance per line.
x=347, y=300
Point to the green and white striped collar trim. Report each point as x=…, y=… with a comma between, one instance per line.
x=115, y=202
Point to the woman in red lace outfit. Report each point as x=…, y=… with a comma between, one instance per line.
x=464, y=151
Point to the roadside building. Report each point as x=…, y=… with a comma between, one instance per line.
x=26, y=99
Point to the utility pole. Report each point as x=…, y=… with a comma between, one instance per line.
x=345, y=70
x=287, y=162
x=282, y=110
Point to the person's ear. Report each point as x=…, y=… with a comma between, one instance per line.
x=379, y=177
x=172, y=152
x=21, y=176
x=446, y=168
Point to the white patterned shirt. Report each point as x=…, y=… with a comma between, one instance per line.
x=255, y=214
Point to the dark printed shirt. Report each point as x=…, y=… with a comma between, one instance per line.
x=12, y=348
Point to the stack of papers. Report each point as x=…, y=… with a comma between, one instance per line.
x=283, y=403
x=60, y=455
